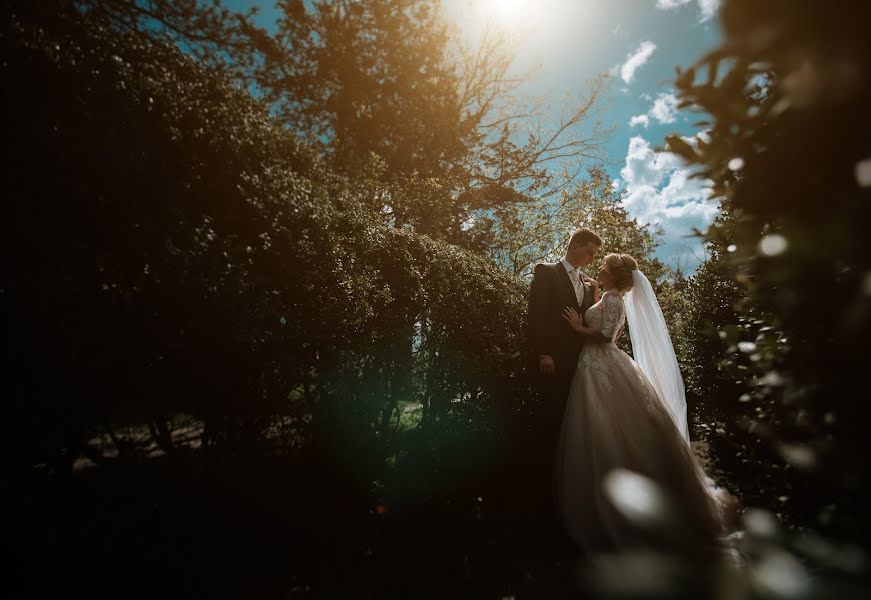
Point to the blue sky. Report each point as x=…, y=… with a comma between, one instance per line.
x=566, y=42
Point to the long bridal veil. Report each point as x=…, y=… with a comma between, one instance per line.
x=652, y=348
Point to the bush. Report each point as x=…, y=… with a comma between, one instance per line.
x=787, y=93
x=179, y=253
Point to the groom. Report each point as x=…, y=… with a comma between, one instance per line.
x=555, y=345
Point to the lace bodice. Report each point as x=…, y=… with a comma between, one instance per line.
x=607, y=315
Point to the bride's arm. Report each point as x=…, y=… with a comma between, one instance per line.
x=576, y=323
x=612, y=316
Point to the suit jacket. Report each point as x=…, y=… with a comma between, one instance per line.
x=550, y=293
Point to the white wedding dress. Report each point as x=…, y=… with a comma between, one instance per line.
x=616, y=424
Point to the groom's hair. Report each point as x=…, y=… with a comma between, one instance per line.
x=582, y=235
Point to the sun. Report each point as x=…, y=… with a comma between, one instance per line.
x=507, y=13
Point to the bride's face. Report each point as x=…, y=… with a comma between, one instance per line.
x=604, y=278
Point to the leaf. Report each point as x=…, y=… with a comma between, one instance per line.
x=685, y=79
x=678, y=146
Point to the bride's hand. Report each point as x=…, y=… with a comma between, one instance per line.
x=592, y=282
x=574, y=319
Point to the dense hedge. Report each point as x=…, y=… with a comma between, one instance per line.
x=178, y=253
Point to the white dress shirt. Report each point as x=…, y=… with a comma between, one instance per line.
x=575, y=276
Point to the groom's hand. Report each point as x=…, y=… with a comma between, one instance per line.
x=545, y=365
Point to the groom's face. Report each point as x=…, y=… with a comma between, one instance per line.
x=587, y=253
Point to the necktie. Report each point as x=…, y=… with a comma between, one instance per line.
x=576, y=280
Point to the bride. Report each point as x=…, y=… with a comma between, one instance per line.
x=625, y=473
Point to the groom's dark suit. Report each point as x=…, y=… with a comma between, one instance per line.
x=550, y=334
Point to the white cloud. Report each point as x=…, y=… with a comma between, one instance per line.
x=639, y=120
x=664, y=108
x=659, y=190
x=707, y=8
x=644, y=167
x=635, y=60
x=670, y=4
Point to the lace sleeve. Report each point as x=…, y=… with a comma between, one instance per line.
x=612, y=315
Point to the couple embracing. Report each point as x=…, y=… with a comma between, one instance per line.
x=620, y=467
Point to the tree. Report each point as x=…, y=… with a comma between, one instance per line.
x=538, y=230
x=188, y=256
x=712, y=304
x=391, y=79
x=388, y=91
x=787, y=92
x=216, y=36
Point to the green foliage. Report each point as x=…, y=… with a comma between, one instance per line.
x=391, y=83
x=393, y=98
x=712, y=298
x=181, y=253
x=216, y=36
x=787, y=93
x=369, y=77
x=539, y=230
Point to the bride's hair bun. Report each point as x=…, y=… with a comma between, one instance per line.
x=621, y=267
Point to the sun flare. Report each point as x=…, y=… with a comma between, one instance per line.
x=507, y=13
